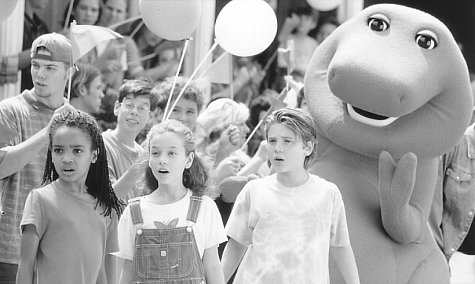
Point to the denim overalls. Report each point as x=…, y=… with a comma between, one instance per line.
x=168, y=255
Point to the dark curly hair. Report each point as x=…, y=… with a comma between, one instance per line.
x=97, y=182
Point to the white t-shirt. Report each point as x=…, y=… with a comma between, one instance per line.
x=288, y=231
x=208, y=230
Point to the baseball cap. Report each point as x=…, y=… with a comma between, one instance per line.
x=53, y=47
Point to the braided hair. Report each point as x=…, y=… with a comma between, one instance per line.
x=97, y=182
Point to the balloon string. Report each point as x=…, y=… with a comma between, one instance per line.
x=272, y=58
x=143, y=58
x=113, y=26
x=191, y=78
x=255, y=130
x=281, y=96
x=132, y=34
x=175, y=78
x=68, y=16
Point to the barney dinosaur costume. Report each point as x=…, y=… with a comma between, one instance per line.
x=389, y=91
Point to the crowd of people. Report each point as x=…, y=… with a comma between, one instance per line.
x=112, y=186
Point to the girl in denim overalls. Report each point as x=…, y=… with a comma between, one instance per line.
x=172, y=234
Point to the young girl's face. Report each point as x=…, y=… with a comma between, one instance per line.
x=87, y=12
x=286, y=150
x=114, y=11
x=168, y=158
x=186, y=111
x=72, y=154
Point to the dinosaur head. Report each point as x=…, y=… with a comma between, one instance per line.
x=391, y=78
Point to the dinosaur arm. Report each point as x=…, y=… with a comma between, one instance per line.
x=405, y=197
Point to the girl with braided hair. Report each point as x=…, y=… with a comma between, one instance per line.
x=70, y=223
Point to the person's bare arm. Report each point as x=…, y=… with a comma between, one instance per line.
x=345, y=260
x=17, y=156
x=212, y=266
x=232, y=256
x=28, y=250
x=252, y=167
x=125, y=268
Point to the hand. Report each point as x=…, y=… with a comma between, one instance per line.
x=289, y=25
x=227, y=167
x=261, y=152
x=231, y=138
x=401, y=216
x=170, y=68
x=297, y=86
x=112, y=65
x=244, y=75
x=62, y=109
x=167, y=45
x=292, y=22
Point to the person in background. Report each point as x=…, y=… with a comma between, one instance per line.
x=247, y=76
x=22, y=159
x=70, y=223
x=453, y=208
x=296, y=29
x=176, y=215
x=134, y=107
x=84, y=12
x=186, y=109
x=257, y=112
x=167, y=53
x=33, y=27
x=326, y=28
x=224, y=132
x=117, y=59
x=86, y=88
x=190, y=104
x=275, y=236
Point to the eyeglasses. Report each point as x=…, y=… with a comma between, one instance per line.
x=140, y=108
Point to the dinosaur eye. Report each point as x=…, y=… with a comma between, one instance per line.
x=426, y=39
x=378, y=23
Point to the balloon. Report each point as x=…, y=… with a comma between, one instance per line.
x=245, y=27
x=324, y=5
x=171, y=19
x=8, y=7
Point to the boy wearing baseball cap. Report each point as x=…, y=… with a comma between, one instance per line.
x=23, y=153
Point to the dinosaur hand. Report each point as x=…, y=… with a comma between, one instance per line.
x=396, y=185
x=396, y=181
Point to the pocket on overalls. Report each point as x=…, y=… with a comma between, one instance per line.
x=165, y=261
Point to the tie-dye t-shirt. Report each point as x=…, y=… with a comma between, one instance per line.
x=288, y=230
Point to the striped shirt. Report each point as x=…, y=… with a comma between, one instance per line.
x=25, y=116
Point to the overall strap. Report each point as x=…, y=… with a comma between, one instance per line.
x=194, y=208
x=135, y=211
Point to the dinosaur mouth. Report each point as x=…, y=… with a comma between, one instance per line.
x=369, y=118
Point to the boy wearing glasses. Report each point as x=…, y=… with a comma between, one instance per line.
x=134, y=108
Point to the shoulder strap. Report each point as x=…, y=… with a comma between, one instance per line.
x=135, y=211
x=194, y=208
